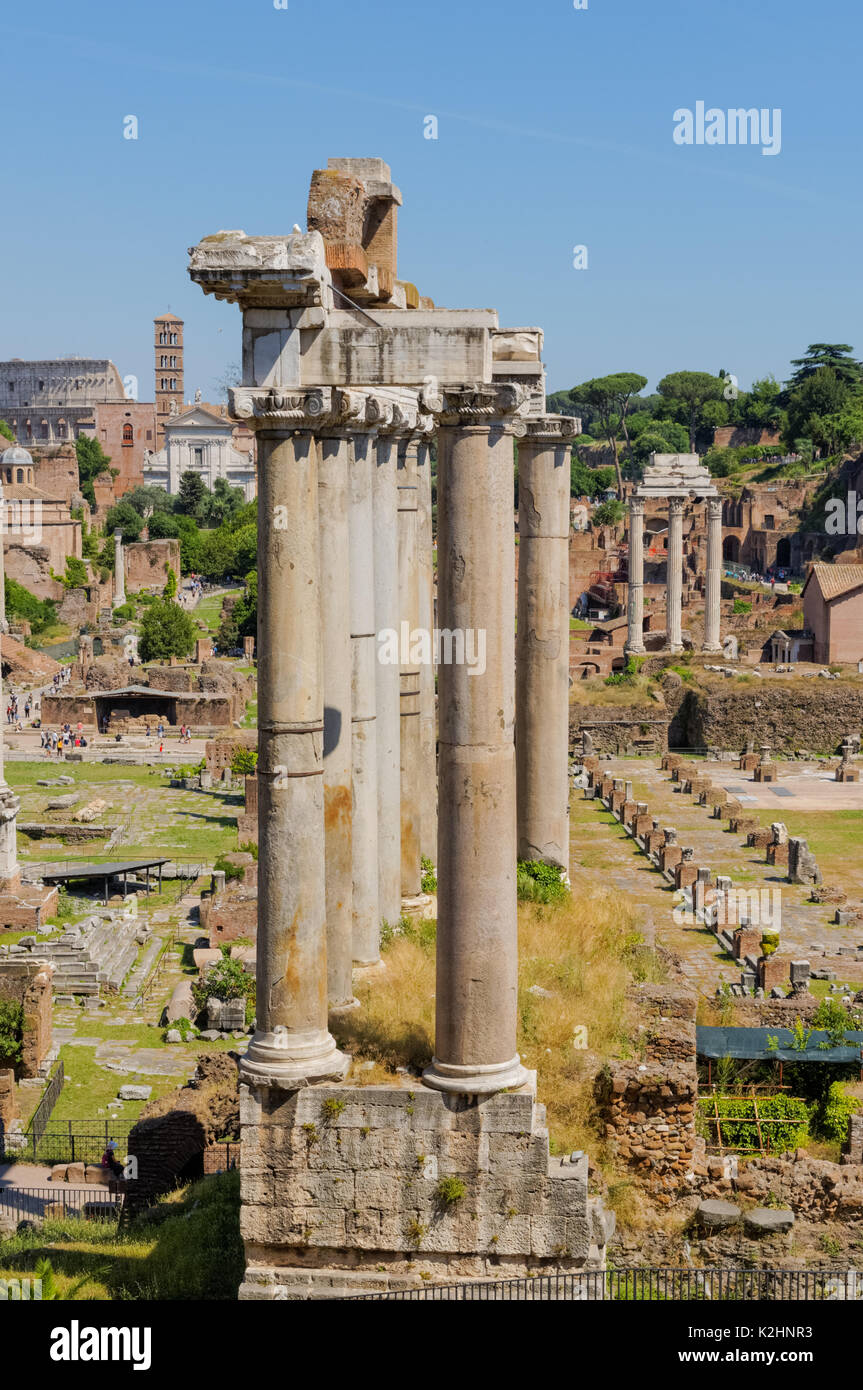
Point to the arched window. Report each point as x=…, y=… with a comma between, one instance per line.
x=8, y=475
x=128, y=435
x=20, y=472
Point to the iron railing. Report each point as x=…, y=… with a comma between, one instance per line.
x=61, y=1202
x=73, y=1141
x=654, y=1285
x=42, y=1114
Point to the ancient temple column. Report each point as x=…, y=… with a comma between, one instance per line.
x=119, y=577
x=428, y=720
x=4, y=626
x=713, y=584
x=409, y=682
x=364, y=773
x=9, y=803
x=334, y=473
x=674, y=574
x=386, y=614
x=635, y=609
x=542, y=644
x=477, y=945
x=291, y=1045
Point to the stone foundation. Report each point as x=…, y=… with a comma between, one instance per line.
x=345, y=1188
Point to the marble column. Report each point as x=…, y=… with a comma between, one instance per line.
x=713, y=584
x=428, y=718
x=291, y=1045
x=4, y=516
x=409, y=679
x=674, y=574
x=119, y=577
x=542, y=644
x=386, y=598
x=364, y=755
x=334, y=474
x=10, y=804
x=635, y=609
x=477, y=931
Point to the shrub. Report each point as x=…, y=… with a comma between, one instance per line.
x=742, y=605
x=737, y=1115
x=450, y=1190
x=229, y=869
x=167, y=630
x=11, y=1028
x=429, y=878
x=834, y=1019
x=832, y=1118
x=539, y=883
x=225, y=980
x=244, y=761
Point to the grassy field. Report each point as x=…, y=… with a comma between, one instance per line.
x=187, y=1247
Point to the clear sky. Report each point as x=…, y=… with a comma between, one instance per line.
x=555, y=129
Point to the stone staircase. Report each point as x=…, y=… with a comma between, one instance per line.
x=97, y=954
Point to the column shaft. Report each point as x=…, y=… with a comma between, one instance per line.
x=428, y=721
x=334, y=469
x=635, y=610
x=291, y=1044
x=387, y=611
x=9, y=802
x=674, y=574
x=409, y=605
x=713, y=584
x=477, y=937
x=119, y=576
x=364, y=772
x=542, y=651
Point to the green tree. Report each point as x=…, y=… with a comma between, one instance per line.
x=608, y=397
x=167, y=630
x=193, y=495
x=815, y=408
x=224, y=502
x=123, y=516
x=762, y=405
x=6, y=432
x=170, y=590
x=836, y=356
x=20, y=603
x=92, y=461
x=76, y=576
x=691, y=390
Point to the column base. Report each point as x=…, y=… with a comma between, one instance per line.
x=420, y=906
x=291, y=1060
x=479, y=1080
x=712, y=648
x=633, y=649
x=675, y=648
x=345, y=1008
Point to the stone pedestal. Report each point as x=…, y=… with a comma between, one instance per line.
x=369, y=1188
x=542, y=644
x=773, y=972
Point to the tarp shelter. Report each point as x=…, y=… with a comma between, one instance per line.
x=750, y=1044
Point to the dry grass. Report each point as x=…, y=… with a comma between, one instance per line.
x=584, y=952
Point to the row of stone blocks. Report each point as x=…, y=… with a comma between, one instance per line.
x=339, y=1183
x=100, y=952
x=675, y=861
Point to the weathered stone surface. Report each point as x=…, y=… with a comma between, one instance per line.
x=716, y=1215
x=763, y=1221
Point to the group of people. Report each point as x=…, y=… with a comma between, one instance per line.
x=62, y=677
x=12, y=710
x=65, y=738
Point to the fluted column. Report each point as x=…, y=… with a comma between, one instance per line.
x=364, y=774
x=635, y=609
x=119, y=577
x=713, y=584
x=674, y=574
x=542, y=643
x=409, y=681
x=387, y=613
x=334, y=474
x=428, y=720
x=477, y=932
x=291, y=1045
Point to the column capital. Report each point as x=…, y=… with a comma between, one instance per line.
x=636, y=505
x=483, y=403
x=675, y=506
x=714, y=508
x=550, y=429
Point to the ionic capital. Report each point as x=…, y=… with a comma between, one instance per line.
x=482, y=404
x=551, y=429
x=272, y=408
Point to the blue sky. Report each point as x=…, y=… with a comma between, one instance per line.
x=555, y=129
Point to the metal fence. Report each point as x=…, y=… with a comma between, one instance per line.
x=60, y=1202
x=42, y=1114
x=651, y=1286
x=73, y=1141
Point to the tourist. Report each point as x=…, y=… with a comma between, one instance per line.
x=109, y=1159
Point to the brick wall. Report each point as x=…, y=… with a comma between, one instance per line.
x=29, y=984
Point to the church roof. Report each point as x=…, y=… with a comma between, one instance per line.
x=835, y=580
x=167, y=318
